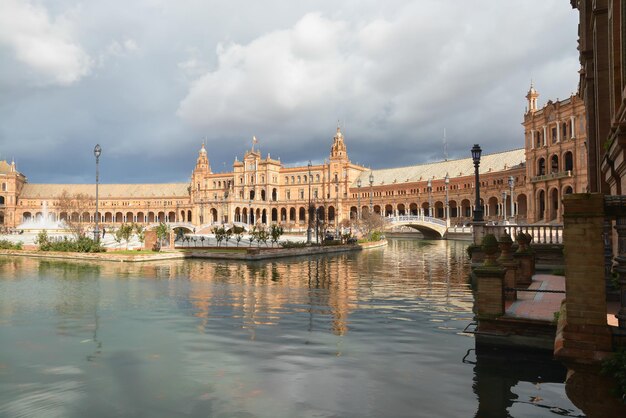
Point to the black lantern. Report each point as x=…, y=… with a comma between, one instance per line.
x=478, y=210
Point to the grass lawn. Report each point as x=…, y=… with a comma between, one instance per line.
x=132, y=252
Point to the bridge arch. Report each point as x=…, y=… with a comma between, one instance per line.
x=431, y=228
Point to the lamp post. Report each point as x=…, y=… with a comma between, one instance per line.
x=337, y=208
x=308, y=229
x=371, y=192
x=429, y=185
x=96, y=152
x=511, y=184
x=504, y=206
x=447, y=182
x=358, y=209
x=317, y=221
x=478, y=210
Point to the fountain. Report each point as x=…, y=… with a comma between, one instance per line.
x=43, y=221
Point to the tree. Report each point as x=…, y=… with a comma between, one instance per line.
x=141, y=233
x=118, y=236
x=126, y=232
x=275, y=232
x=371, y=223
x=229, y=233
x=220, y=234
x=161, y=231
x=252, y=234
x=238, y=231
x=262, y=235
x=77, y=203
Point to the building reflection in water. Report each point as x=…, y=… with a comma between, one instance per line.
x=412, y=296
x=332, y=287
x=512, y=383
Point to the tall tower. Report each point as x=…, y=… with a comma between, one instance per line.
x=202, y=164
x=200, y=171
x=532, y=98
x=338, y=150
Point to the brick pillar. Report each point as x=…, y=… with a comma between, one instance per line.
x=507, y=261
x=489, y=302
x=150, y=238
x=525, y=269
x=584, y=335
x=478, y=232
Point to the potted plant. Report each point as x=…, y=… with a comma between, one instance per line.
x=490, y=248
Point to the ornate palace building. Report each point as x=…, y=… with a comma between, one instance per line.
x=526, y=184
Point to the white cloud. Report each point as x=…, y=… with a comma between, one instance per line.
x=117, y=49
x=389, y=77
x=44, y=45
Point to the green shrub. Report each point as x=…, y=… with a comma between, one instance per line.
x=291, y=244
x=80, y=245
x=615, y=367
x=376, y=236
x=332, y=242
x=8, y=245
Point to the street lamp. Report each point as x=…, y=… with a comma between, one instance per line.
x=429, y=185
x=504, y=206
x=308, y=229
x=358, y=209
x=511, y=184
x=96, y=152
x=478, y=210
x=337, y=207
x=447, y=182
x=371, y=193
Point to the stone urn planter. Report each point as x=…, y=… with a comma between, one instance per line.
x=523, y=240
x=506, y=244
x=490, y=248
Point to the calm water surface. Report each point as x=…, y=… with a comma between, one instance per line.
x=373, y=334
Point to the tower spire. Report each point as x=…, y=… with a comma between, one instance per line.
x=532, y=98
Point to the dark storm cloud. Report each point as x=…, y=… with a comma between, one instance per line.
x=150, y=80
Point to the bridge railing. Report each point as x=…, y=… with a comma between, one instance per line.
x=417, y=218
x=542, y=234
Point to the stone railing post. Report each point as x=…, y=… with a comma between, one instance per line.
x=584, y=336
x=478, y=232
x=525, y=259
x=489, y=301
x=507, y=261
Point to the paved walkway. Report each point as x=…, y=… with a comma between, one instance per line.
x=535, y=305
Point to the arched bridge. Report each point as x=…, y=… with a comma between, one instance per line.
x=430, y=227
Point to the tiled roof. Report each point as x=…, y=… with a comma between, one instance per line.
x=121, y=191
x=455, y=168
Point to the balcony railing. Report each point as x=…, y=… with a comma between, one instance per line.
x=552, y=176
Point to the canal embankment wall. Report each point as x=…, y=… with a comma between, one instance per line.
x=223, y=253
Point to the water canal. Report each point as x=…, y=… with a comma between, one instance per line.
x=371, y=334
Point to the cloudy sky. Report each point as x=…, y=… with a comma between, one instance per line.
x=151, y=79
